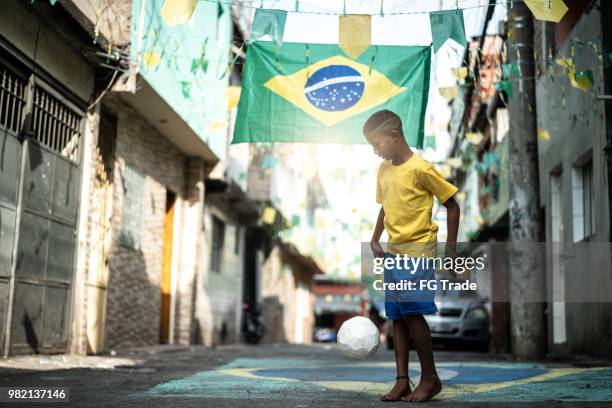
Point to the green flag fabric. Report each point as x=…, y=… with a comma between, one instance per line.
x=430, y=141
x=447, y=25
x=269, y=22
x=314, y=93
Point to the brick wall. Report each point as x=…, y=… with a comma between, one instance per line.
x=133, y=297
x=186, y=326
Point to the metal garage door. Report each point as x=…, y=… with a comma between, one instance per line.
x=40, y=133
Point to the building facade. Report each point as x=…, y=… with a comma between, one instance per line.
x=103, y=177
x=573, y=178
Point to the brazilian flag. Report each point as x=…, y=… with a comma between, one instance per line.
x=314, y=93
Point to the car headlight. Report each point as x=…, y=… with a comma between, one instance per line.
x=476, y=314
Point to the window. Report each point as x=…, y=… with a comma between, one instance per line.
x=132, y=219
x=218, y=236
x=237, y=239
x=556, y=208
x=39, y=112
x=12, y=100
x=583, y=201
x=55, y=125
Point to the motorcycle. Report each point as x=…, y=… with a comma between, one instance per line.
x=252, y=326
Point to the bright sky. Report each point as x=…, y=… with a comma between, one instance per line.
x=352, y=197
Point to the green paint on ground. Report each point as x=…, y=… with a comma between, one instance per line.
x=296, y=379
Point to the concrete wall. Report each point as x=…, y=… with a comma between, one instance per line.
x=223, y=289
x=43, y=45
x=576, y=123
x=288, y=301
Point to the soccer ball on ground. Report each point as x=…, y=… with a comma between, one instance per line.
x=358, y=337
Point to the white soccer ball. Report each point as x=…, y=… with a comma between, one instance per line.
x=358, y=337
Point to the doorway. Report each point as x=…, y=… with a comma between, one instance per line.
x=166, y=278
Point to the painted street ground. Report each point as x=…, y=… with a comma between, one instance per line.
x=300, y=376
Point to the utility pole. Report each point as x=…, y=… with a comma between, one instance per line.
x=527, y=275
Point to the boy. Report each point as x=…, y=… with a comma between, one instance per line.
x=406, y=184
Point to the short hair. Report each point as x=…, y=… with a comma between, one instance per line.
x=382, y=121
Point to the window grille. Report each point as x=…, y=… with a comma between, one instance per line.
x=39, y=113
x=132, y=218
x=12, y=100
x=55, y=125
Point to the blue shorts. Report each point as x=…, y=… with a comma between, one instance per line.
x=419, y=299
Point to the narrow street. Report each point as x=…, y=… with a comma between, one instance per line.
x=297, y=376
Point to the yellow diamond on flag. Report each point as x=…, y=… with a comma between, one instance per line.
x=377, y=89
x=176, y=12
x=547, y=10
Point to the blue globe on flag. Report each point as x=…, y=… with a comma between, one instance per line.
x=334, y=88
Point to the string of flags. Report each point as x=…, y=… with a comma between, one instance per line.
x=355, y=40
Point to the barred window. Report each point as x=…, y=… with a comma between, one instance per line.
x=12, y=100
x=29, y=107
x=218, y=238
x=132, y=218
x=55, y=125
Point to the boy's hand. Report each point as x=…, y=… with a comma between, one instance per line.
x=451, y=252
x=377, y=250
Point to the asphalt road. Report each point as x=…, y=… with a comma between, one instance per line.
x=298, y=376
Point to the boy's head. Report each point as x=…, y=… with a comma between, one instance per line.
x=383, y=130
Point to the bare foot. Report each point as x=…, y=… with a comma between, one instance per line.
x=400, y=389
x=426, y=390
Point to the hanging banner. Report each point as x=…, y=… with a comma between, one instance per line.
x=313, y=93
x=355, y=34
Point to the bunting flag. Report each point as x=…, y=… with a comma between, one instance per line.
x=447, y=25
x=176, y=12
x=151, y=59
x=474, y=137
x=543, y=134
x=269, y=215
x=232, y=96
x=506, y=87
x=582, y=80
x=313, y=93
x=448, y=92
x=430, y=141
x=511, y=71
x=269, y=22
x=454, y=162
x=355, y=34
x=547, y=10
x=459, y=73
x=578, y=79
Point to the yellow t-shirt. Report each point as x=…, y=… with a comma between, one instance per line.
x=406, y=192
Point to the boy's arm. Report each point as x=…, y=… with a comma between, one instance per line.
x=378, y=229
x=452, y=223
